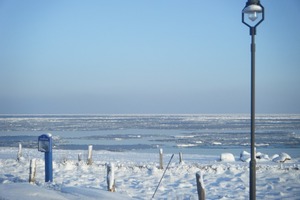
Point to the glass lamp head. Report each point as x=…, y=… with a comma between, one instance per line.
x=252, y=11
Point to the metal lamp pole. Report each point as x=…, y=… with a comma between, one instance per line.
x=253, y=8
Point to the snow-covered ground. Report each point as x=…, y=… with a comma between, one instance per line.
x=137, y=176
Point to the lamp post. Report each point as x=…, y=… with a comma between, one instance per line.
x=254, y=10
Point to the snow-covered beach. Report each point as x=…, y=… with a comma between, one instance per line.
x=137, y=175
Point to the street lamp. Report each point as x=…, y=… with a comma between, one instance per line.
x=256, y=15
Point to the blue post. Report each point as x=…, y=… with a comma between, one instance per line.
x=48, y=167
x=45, y=145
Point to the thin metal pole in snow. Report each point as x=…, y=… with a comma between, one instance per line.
x=162, y=176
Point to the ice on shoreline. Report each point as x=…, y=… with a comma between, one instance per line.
x=190, y=133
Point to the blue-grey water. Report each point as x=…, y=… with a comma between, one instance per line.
x=201, y=134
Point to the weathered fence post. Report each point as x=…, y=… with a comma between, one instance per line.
x=111, y=177
x=200, y=186
x=180, y=158
x=79, y=157
x=19, y=152
x=161, y=159
x=32, y=170
x=89, y=160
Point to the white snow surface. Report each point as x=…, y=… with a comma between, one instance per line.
x=137, y=176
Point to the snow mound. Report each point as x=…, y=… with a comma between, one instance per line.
x=245, y=156
x=282, y=157
x=227, y=157
x=262, y=156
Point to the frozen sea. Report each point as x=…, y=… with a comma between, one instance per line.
x=192, y=134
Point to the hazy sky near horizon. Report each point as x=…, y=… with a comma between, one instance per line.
x=138, y=56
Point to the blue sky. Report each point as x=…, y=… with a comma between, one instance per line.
x=138, y=56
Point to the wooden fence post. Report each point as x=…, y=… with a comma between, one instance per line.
x=19, y=152
x=180, y=158
x=89, y=160
x=161, y=159
x=79, y=157
x=32, y=170
x=111, y=177
x=200, y=186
